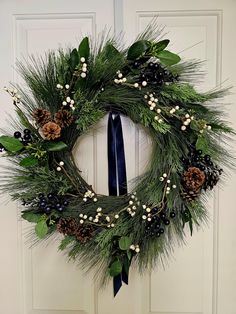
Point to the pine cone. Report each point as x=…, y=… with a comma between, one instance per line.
x=193, y=179
x=63, y=118
x=67, y=226
x=41, y=116
x=84, y=233
x=51, y=130
x=190, y=196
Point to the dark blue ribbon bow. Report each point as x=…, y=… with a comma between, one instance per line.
x=117, y=180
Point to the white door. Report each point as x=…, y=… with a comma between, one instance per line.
x=201, y=278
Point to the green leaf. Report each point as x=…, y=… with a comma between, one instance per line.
x=161, y=45
x=41, y=229
x=29, y=162
x=11, y=144
x=124, y=243
x=168, y=58
x=202, y=143
x=115, y=268
x=137, y=49
x=74, y=58
x=31, y=217
x=110, y=50
x=55, y=146
x=129, y=255
x=194, y=125
x=84, y=48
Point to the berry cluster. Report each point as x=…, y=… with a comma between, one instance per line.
x=154, y=73
x=156, y=226
x=26, y=138
x=51, y=202
x=197, y=159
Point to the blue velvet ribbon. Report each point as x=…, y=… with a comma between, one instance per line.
x=117, y=179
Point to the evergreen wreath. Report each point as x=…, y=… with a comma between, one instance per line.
x=68, y=92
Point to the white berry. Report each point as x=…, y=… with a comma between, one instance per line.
x=58, y=168
x=64, y=103
x=183, y=127
x=61, y=163
x=83, y=75
x=82, y=59
x=144, y=83
x=67, y=86
x=135, y=85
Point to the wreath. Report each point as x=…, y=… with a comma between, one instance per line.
x=67, y=93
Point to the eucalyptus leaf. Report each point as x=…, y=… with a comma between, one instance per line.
x=41, y=229
x=115, y=268
x=168, y=58
x=29, y=162
x=137, y=49
x=11, y=144
x=31, y=217
x=55, y=146
x=74, y=58
x=124, y=243
x=84, y=49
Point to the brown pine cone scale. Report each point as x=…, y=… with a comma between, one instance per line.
x=41, y=116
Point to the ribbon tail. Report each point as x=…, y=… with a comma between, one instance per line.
x=111, y=145
x=125, y=277
x=117, y=284
x=121, y=165
x=117, y=179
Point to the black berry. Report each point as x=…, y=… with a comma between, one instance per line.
x=27, y=131
x=166, y=222
x=17, y=134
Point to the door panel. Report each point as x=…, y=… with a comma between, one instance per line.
x=195, y=282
